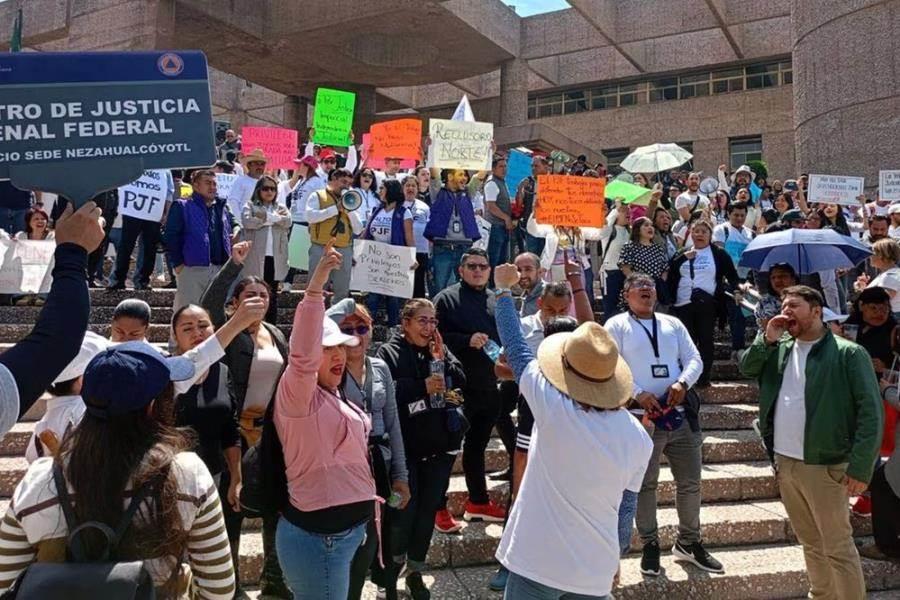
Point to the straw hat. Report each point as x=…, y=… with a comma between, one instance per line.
x=586, y=366
x=257, y=155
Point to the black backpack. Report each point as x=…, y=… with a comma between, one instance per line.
x=80, y=578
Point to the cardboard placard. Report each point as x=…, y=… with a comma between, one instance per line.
x=145, y=197
x=889, y=185
x=224, y=181
x=570, y=201
x=518, y=167
x=25, y=266
x=400, y=138
x=407, y=164
x=835, y=189
x=460, y=145
x=383, y=268
x=333, y=118
x=277, y=143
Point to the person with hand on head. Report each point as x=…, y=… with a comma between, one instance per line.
x=56, y=337
x=824, y=455
x=325, y=441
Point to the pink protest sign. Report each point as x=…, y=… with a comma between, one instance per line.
x=278, y=144
x=378, y=163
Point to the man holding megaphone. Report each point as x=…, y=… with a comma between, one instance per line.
x=329, y=216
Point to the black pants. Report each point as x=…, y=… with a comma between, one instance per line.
x=366, y=556
x=95, y=258
x=131, y=229
x=481, y=408
x=269, y=277
x=700, y=321
x=413, y=526
x=509, y=399
x=885, y=514
x=420, y=282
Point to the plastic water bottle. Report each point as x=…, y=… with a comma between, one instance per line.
x=436, y=366
x=492, y=349
x=394, y=500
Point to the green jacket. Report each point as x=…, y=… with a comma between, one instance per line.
x=844, y=413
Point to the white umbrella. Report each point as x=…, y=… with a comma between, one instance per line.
x=656, y=158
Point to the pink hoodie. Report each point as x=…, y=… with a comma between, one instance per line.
x=325, y=439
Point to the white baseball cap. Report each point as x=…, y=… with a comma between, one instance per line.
x=333, y=336
x=91, y=346
x=829, y=315
x=894, y=209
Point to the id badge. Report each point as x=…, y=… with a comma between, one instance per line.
x=457, y=228
x=660, y=371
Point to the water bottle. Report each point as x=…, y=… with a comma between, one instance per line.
x=436, y=366
x=492, y=349
x=394, y=500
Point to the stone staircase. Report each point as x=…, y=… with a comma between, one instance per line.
x=744, y=523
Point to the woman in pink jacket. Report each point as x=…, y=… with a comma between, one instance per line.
x=325, y=441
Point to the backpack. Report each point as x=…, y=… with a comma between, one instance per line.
x=80, y=578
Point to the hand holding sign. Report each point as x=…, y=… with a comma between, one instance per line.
x=83, y=227
x=333, y=118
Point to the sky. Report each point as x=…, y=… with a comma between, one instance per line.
x=525, y=8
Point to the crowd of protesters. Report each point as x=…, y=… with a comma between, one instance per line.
x=345, y=450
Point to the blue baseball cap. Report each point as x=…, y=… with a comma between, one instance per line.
x=127, y=377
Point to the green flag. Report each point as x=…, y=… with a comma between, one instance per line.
x=15, y=42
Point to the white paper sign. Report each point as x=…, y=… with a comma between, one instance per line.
x=889, y=185
x=460, y=144
x=383, y=268
x=484, y=228
x=144, y=198
x=26, y=266
x=224, y=181
x=836, y=189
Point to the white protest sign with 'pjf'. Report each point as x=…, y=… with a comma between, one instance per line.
x=889, y=185
x=835, y=189
x=383, y=268
x=145, y=197
x=460, y=145
x=484, y=228
x=26, y=266
x=224, y=181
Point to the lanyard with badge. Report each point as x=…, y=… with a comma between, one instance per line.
x=658, y=370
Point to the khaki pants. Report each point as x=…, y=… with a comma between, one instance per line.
x=817, y=507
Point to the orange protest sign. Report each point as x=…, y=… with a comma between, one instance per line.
x=570, y=201
x=400, y=138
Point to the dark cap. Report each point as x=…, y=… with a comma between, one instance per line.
x=795, y=214
x=874, y=295
x=127, y=377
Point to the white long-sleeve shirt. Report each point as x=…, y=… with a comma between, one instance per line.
x=316, y=214
x=300, y=193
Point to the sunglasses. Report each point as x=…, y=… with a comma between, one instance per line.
x=477, y=266
x=268, y=188
x=358, y=330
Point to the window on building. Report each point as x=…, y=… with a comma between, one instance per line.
x=728, y=80
x=689, y=146
x=630, y=95
x=787, y=73
x=532, y=108
x=605, y=97
x=692, y=86
x=744, y=149
x=550, y=106
x=614, y=157
x=762, y=76
x=575, y=102
x=664, y=89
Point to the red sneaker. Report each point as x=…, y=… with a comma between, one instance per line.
x=445, y=523
x=484, y=512
x=862, y=506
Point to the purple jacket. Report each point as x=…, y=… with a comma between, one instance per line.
x=441, y=209
x=191, y=239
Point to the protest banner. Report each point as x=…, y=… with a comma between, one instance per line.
x=400, y=138
x=835, y=189
x=889, y=185
x=383, y=268
x=628, y=192
x=277, y=143
x=224, y=181
x=333, y=118
x=145, y=197
x=407, y=164
x=76, y=124
x=518, y=167
x=26, y=266
x=484, y=228
x=569, y=201
x=460, y=145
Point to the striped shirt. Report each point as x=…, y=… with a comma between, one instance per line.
x=34, y=528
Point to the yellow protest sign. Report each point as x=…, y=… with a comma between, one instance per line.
x=570, y=201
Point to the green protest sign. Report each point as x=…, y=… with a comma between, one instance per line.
x=628, y=192
x=333, y=118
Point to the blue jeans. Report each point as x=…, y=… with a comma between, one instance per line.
x=521, y=588
x=737, y=323
x=498, y=245
x=615, y=281
x=373, y=302
x=317, y=566
x=12, y=220
x=445, y=264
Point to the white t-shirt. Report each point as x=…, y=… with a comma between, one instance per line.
x=704, y=276
x=533, y=331
x=889, y=280
x=894, y=232
x=380, y=225
x=421, y=212
x=687, y=199
x=579, y=463
x=790, y=406
x=734, y=243
x=63, y=413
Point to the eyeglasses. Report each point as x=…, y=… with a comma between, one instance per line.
x=478, y=266
x=642, y=285
x=268, y=188
x=358, y=330
x=425, y=322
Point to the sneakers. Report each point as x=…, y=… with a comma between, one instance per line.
x=650, y=559
x=445, y=523
x=697, y=555
x=862, y=506
x=501, y=475
x=498, y=581
x=489, y=512
x=416, y=587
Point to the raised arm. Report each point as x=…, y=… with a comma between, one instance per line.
x=518, y=352
x=216, y=294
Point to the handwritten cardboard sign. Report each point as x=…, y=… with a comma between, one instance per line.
x=383, y=268
x=569, y=201
x=277, y=143
x=406, y=164
x=145, y=197
x=224, y=181
x=26, y=266
x=889, y=185
x=333, y=118
x=400, y=138
x=460, y=144
x=835, y=189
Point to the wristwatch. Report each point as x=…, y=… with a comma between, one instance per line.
x=500, y=291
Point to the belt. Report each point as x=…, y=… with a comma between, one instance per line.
x=453, y=243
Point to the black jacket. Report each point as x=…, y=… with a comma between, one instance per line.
x=726, y=275
x=461, y=312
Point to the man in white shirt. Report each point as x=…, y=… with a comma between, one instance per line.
x=894, y=214
x=734, y=237
x=242, y=189
x=665, y=364
x=691, y=199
